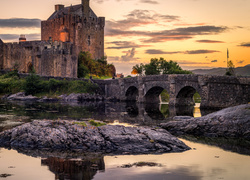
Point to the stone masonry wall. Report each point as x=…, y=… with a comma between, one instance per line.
x=223, y=91
x=1, y=53
x=47, y=59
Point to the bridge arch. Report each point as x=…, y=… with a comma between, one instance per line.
x=153, y=94
x=185, y=96
x=132, y=93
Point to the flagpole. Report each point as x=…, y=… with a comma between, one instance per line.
x=227, y=57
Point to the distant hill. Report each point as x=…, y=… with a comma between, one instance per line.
x=240, y=71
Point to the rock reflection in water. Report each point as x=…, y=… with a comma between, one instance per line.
x=240, y=146
x=74, y=169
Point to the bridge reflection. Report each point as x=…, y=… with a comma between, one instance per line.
x=148, y=114
x=123, y=112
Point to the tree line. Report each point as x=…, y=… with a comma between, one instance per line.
x=157, y=67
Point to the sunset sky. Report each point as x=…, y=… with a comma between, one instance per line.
x=195, y=33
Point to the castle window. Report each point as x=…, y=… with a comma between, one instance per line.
x=89, y=40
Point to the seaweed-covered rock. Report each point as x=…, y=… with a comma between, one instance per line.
x=73, y=135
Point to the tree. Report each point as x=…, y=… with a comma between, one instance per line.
x=230, y=70
x=84, y=64
x=153, y=68
x=137, y=69
x=111, y=70
x=99, y=67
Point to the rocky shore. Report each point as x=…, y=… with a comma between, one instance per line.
x=232, y=122
x=80, y=97
x=72, y=135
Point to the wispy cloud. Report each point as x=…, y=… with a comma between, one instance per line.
x=167, y=35
x=157, y=51
x=149, y=1
x=141, y=1
x=20, y=23
x=136, y=18
x=245, y=44
x=240, y=61
x=124, y=45
x=201, y=51
x=209, y=41
x=15, y=37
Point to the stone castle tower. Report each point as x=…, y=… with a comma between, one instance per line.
x=67, y=31
x=77, y=24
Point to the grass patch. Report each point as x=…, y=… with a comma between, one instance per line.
x=81, y=124
x=98, y=77
x=96, y=124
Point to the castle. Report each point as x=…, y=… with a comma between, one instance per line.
x=64, y=34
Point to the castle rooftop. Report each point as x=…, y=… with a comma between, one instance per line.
x=70, y=10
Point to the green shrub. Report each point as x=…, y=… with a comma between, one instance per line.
x=82, y=71
x=82, y=87
x=56, y=85
x=12, y=74
x=11, y=84
x=32, y=84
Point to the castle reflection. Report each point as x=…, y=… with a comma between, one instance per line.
x=74, y=169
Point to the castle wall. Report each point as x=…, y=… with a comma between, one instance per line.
x=58, y=65
x=17, y=55
x=53, y=28
x=47, y=59
x=1, y=53
x=91, y=37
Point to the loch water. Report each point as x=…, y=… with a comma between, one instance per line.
x=208, y=159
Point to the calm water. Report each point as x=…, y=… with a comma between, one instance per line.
x=208, y=159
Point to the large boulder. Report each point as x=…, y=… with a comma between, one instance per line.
x=71, y=135
x=232, y=122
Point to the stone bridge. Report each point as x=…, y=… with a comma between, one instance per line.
x=215, y=91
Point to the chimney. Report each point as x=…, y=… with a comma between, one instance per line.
x=85, y=4
x=58, y=7
x=22, y=38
